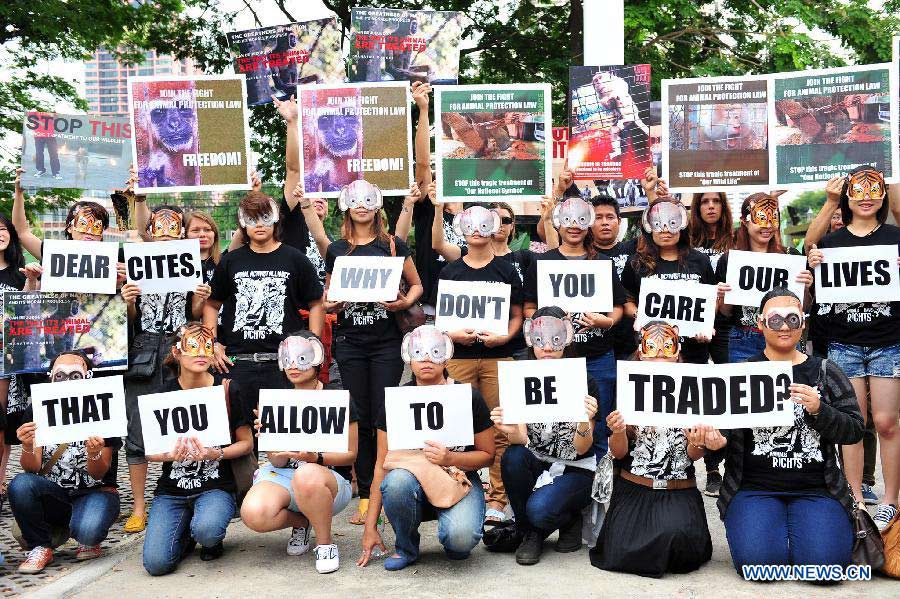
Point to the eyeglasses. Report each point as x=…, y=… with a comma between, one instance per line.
x=505, y=220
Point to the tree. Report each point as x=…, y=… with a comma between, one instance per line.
x=806, y=201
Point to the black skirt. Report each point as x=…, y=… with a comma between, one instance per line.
x=650, y=532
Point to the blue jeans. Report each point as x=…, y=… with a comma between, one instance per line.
x=858, y=361
x=744, y=344
x=39, y=504
x=405, y=505
x=207, y=514
x=552, y=506
x=603, y=369
x=775, y=528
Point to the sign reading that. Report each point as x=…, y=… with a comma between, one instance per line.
x=745, y=395
x=439, y=413
x=543, y=390
x=752, y=274
x=365, y=279
x=79, y=267
x=858, y=274
x=78, y=410
x=482, y=307
x=291, y=420
x=201, y=413
x=575, y=285
x=688, y=305
x=164, y=266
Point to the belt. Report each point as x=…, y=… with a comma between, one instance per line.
x=254, y=357
x=657, y=484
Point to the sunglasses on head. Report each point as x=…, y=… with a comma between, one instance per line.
x=775, y=319
x=506, y=220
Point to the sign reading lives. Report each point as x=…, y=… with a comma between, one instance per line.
x=688, y=305
x=292, y=420
x=201, y=413
x=858, y=274
x=163, y=266
x=543, y=391
x=365, y=279
x=467, y=305
x=575, y=285
x=77, y=410
x=79, y=267
x=752, y=274
x=439, y=413
x=744, y=395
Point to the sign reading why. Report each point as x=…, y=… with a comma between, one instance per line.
x=688, y=305
x=543, y=390
x=365, y=279
x=752, y=274
x=464, y=305
x=745, y=395
x=575, y=285
x=201, y=413
x=439, y=413
x=858, y=274
x=77, y=410
x=291, y=420
x=79, y=267
x=163, y=266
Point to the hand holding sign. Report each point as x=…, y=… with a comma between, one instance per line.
x=199, y=413
x=79, y=267
x=689, y=306
x=473, y=306
x=751, y=274
x=79, y=410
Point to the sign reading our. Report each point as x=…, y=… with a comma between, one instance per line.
x=575, y=285
x=745, y=395
x=752, y=274
x=482, y=307
x=858, y=274
x=164, y=266
x=77, y=267
x=77, y=410
x=543, y=390
x=688, y=305
x=439, y=413
x=292, y=420
x=201, y=413
x=365, y=279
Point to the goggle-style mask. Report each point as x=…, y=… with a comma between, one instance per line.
x=426, y=344
x=301, y=353
x=263, y=220
x=196, y=341
x=548, y=332
x=84, y=221
x=866, y=184
x=69, y=372
x=664, y=214
x=659, y=340
x=166, y=223
x=476, y=220
x=573, y=212
x=762, y=211
x=775, y=318
x=360, y=194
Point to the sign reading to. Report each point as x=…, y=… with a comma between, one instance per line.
x=575, y=285
x=292, y=420
x=164, y=266
x=201, y=413
x=77, y=410
x=543, y=390
x=440, y=413
x=752, y=274
x=858, y=274
x=483, y=307
x=365, y=279
x=78, y=267
x=689, y=306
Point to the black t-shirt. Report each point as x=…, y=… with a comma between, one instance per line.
x=261, y=295
x=12, y=280
x=365, y=322
x=428, y=262
x=623, y=335
x=294, y=231
x=870, y=324
x=742, y=316
x=497, y=270
x=207, y=267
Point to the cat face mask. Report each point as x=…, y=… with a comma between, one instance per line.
x=262, y=220
x=166, y=223
x=548, y=332
x=476, y=220
x=762, y=211
x=84, y=222
x=360, y=194
x=426, y=344
x=196, y=341
x=301, y=353
x=659, y=340
x=665, y=215
x=574, y=212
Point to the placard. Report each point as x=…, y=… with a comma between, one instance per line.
x=753, y=274
x=688, y=305
x=296, y=420
x=543, y=390
x=482, y=307
x=164, y=266
x=201, y=413
x=575, y=285
x=439, y=413
x=365, y=279
x=865, y=273
x=79, y=267
x=78, y=410
x=726, y=396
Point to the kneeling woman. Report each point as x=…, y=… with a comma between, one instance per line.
x=195, y=493
x=656, y=522
x=427, y=351
x=302, y=489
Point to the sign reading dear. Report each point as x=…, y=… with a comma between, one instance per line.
x=365, y=279
x=543, y=390
x=858, y=274
x=744, y=395
x=467, y=305
x=752, y=274
x=691, y=306
x=439, y=413
x=164, y=266
x=292, y=420
x=78, y=267
x=201, y=413
x=75, y=410
x=575, y=285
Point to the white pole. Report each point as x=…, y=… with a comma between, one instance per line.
x=604, y=32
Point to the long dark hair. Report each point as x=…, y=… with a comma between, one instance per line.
x=646, y=257
x=13, y=252
x=846, y=214
x=698, y=229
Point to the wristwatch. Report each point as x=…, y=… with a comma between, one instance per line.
x=320, y=459
x=221, y=455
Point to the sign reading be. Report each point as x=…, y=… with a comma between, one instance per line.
x=543, y=390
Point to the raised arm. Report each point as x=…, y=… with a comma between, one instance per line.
x=288, y=111
x=449, y=251
x=821, y=224
x=316, y=227
x=420, y=93
x=29, y=240
x=404, y=220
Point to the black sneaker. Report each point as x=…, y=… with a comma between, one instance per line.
x=713, y=483
x=208, y=554
x=529, y=552
x=570, y=536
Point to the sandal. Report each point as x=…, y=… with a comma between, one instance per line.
x=135, y=524
x=362, y=511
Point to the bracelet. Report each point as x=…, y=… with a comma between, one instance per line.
x=320, y=459
x=95, y=458
x=221, y=454
x=582, y=434
x=697, y=446
x=306, y=205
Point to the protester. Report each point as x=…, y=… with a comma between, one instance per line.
x=200, y=225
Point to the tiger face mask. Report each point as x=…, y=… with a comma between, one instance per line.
x=196, y=341
x=762, y=211
x=84, y=222
x=166, y=223
x=301, y=353
x=476, y=220
x=659, y=340
x=426, y=344
x=548, y=332
x=866, y=184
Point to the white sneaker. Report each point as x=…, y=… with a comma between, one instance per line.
x=299, y=543
x=327, y=558
x=884, y=515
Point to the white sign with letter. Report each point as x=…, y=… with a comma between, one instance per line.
x=365, y=279
x=482, y=307
x=543, y=390
x=297, y=420
x=575, y=285
x=752, y=274
x=201, y=413
x=78, y=267
x=439, y=413
x=689, y=305
x=864, y=273
x=164, y=266
x=76, y=410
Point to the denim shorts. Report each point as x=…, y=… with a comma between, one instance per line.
x=859, y=361
x=283, y=476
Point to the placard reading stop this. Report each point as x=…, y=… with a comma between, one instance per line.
x=201, y=413
x=440, y=413
x=575, y=285
x=864, y=273
x=463, y=305
x=79, y=267
x=365, y=279
x=752, y=274
x=688, y=305
x=543, y=390
x=298, y=420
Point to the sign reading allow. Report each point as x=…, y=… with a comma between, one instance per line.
x=201, y=413
x=575, y=285
x=164, y=266
x=77, y=410
x=78, y=267
x=858, y=274
x=439, y=413
x=752, y=274
x=543, y=390
x=294, y=420
x=688, y=305
x=482, y=307
x=365, y=279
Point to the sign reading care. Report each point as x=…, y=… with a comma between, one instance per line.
x=164, y=266
x=689, y=306
x=575, y=285
x=543, y=390
x=293, y=420
x=858, y=274
x=752, y=274
x=440, y=413
x=201, y=413
x=365, y=279
x=77, y=410
x=78, y=267
x=464, y=305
